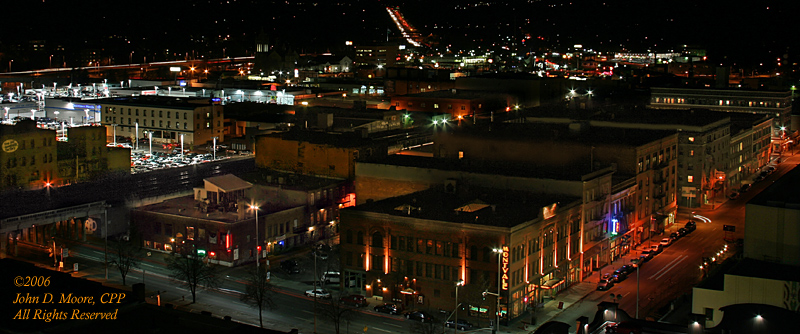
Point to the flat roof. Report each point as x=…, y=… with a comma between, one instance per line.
x=228, y=182
x=472, y=205
x=573, y=173
x=157, y=101
x=782, y=192
x=187, y=206
x=459, y=94
x=562, y=132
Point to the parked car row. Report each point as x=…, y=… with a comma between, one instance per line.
x=143, y=162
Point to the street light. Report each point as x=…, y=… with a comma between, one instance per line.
x=255, y=213
x=499, y=252
x=459, y=283
x=215, y=147
x=637, y=262
x=150, y=137
x=114, y=126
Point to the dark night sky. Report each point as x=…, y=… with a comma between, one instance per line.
x=757, y=30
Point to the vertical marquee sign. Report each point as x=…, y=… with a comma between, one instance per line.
x=505, y=267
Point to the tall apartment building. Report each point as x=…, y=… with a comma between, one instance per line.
x=166, y=119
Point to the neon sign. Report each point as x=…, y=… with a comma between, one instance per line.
x=505, y=267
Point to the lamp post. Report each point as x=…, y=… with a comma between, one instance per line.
x=458, y=284
x=136, y=143
x=182, y=144
x=215, y=147
x=150, y=138
x=255, y=213
x=499, y=252
x=637, y=262
x=114, y=126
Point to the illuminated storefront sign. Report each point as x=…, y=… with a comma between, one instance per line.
x=505, y=267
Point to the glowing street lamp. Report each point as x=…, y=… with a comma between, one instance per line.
x=258, y=239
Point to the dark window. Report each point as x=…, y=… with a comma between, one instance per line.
x=360, y=238
x=473, y=253
x=377, y=240
x=349, y=236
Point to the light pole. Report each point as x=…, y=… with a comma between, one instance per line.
x=313, y=251
x=114, y=126
x=215, y=147
x=637, y=262
x=150, y=138
x=255, y=213
x=182, y=144
x=499, y=252
x=136, y=143
x=459, y=283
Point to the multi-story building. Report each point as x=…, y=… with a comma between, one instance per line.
x=776, y=104
x=316, y=153
x=85, y=156
x=410, y=249
x=769, y=274
x=648, y=156
x=459, y=105
x=377, y=55
x=606, y=207
x=166, y=119
x=28, y=156
x=708, y=165
x=218, y=219
x=750, y=148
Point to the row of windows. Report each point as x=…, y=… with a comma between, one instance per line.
x=23, y=161
x=718, y=102
x=46, y=141
x=112, y=110
x=144, y=123
x=647, y=162
x=435, y=105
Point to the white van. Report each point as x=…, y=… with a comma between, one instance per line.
x=331, y=277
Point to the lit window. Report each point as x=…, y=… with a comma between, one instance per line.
x=690, y=178
x=435, y=106
x=691, y=139
x=691, y=152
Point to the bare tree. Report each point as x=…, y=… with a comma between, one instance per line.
x=127, y=253
x=336, y=312
x=259, y=292
x=192, y=272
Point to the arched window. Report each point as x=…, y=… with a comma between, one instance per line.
x=349, y=237
x=377, y=239
x=360, y=238
x=473, y=253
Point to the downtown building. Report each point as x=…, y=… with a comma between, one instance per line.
x=411, y=249
x=195, y=122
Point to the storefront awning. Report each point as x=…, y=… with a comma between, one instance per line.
x=408, y=291
x=552, y=283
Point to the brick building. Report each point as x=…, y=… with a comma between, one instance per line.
x=411, y=249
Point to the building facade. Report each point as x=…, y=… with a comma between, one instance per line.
x=166, y=119
x=29, y=156
x=412, y=249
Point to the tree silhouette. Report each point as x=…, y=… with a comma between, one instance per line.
x=192, y=272
x=259, y=292
x=336, y=311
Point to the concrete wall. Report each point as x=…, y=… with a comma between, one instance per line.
x=772, y=234
x=323, y=160
x=738, y=290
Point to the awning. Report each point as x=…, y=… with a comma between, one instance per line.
x=408, y=291
x=552, y=283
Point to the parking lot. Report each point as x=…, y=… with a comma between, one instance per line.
x=144, y=161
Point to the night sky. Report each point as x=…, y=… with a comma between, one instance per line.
x=756, y=31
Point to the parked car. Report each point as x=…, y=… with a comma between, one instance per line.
x=605, y=285
x=674, y=236
x=419, y=316
x=666, y=242
x=646, y=255
x=734, y=195
x=691, y=225
x=657, y=248
x=387, y=308
x=759, y=178
x=620, y=275
x=319, y=293
x=606, y=282
x=462, y=324
x=744, y=188
x=682, y=231
x=330, y=277
x=628, y=269
x=354, y=300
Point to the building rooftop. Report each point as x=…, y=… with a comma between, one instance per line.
x=562, y=132
x=747, y=267
x=188, y=207
x=461, y=94
x=158, y=101
x=344, y=140
x=228, y=182
x=781, y=193
x=475, y=205
x=675, y=118
x=573, y=173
